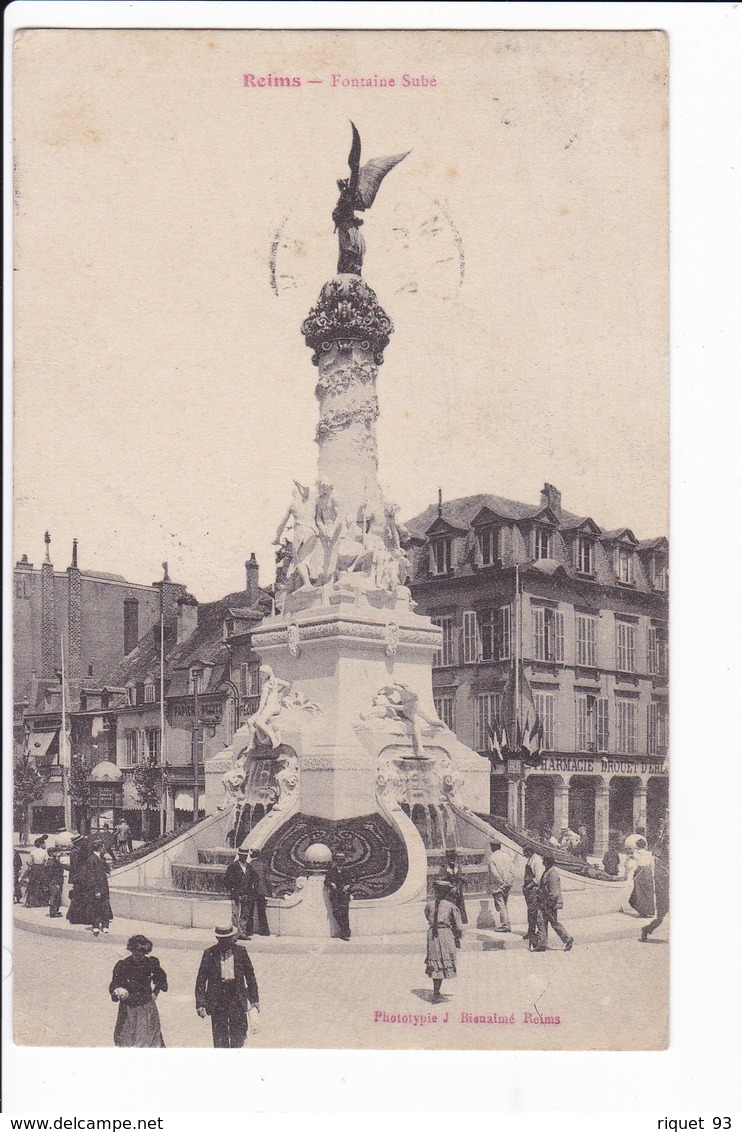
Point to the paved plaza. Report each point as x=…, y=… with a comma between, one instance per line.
x=608, y=993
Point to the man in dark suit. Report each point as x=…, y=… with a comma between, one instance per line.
x=239, y=883
x=549, y=903
x=261, y=890
x=337, y=883
x=226, y=988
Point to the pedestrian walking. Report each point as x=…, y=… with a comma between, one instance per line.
x=501, y=881
x=37, y=893
x=338, y=886
x=642, y=892
x=226, y=989
x=452, y=874
x=261, y=890
x=534, y=870
x=80, y=910
x=107, y=839
x=95, y=881
x=123, y=837
x=135, y=985
x=238, y=881
x=444, y=937
x=549, y=903
x=661, y=894
x=54, y=880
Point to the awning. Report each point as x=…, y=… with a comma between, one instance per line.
x=184, y=801
x=42, y=746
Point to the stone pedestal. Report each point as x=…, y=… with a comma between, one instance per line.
x=338, y=654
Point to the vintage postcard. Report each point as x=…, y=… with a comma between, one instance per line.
x=340, y=587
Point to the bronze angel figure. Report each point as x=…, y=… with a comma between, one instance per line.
x=357, y=193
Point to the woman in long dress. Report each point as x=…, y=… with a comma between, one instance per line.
x=444, y=934
x=135, y=985
x=37, y=892
x=80, y=896
x=642, y=892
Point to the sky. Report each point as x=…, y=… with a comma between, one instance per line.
x=163, y=393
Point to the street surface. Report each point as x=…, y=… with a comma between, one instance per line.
x=609, y=994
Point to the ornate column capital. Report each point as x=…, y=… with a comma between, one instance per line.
x=347, y=312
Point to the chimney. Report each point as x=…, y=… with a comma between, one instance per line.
x=440, y=502
x=169, y=594
x=74, y=619
x=551, y=497
x=187, y=617
x=131, y=624
x=252, y=588
x=48, y=632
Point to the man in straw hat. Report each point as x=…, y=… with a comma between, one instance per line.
x=226, y=989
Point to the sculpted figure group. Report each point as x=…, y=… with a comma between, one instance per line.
x=319, y=542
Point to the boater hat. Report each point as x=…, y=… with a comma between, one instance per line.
x=225, y=933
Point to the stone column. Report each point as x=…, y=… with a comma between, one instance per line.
x=348, y=332
x=561, y=804
x=602, y=824
x=640, y=805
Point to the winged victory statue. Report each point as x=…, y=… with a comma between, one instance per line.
x=357, y=194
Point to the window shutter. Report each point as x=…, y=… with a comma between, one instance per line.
x=558, y=636
x=539, y=642
x=602, y=723
x=581, y=723
x=471, y=637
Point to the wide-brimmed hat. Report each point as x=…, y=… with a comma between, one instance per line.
x=243, y=852
x=225, y=933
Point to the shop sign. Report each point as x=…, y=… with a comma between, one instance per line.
x=182, y=714
x=585, y=764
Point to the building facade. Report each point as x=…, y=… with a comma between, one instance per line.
x=197, y=654
x=584, y=613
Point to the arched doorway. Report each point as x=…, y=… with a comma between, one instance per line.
x=621, y=806
x=582, y=804
x=540, y=804
x=657, y=801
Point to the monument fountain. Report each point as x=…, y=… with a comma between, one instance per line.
x=346, y=751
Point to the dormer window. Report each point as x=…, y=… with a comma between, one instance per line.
x=585, y=556
x=490, y=545
x=542, y=538
x=149, y=692
x=658, y=573
x=195, y=681
x=131, y=695
x=624, y=561
x=441, y=556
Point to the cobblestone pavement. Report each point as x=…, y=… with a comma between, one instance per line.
x=607, y=994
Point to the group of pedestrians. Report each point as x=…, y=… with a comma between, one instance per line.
x=446, y=915
x=226, y=991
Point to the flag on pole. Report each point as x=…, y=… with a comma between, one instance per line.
x=494, y=742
